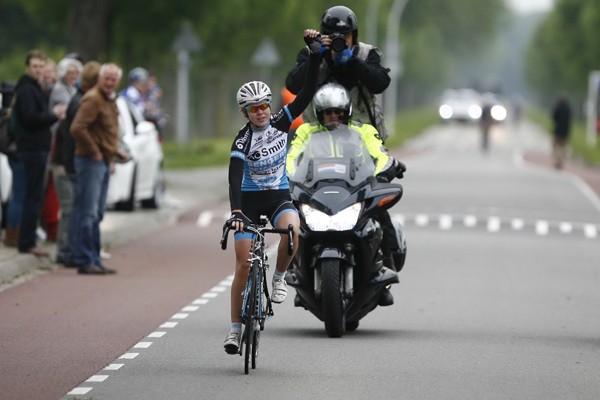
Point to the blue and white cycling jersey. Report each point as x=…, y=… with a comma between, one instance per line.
x=264, y=153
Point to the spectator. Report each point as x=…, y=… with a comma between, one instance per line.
x=34, y=119
x=65, y=146
x=153, y=107
x=137, y=90
x=95, y=130
x=15, y=203
x=48, y=78
x=561, y=117
x=68, y=71
x=355, y=65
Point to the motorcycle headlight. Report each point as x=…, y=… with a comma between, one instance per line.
x=342, y=221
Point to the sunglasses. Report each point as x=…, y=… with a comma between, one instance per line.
x=260, y=107
x=336, y=111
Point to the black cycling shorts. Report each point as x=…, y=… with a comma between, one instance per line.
x=271, y=203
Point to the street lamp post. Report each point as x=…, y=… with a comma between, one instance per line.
x=187, y=41
x=394, y=59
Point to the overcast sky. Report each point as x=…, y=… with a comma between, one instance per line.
x=527, y=6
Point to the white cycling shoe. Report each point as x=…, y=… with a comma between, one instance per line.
x=279, y=291
x=232, y=343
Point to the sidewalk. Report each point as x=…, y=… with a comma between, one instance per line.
x=119, y=227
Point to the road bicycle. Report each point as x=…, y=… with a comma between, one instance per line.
x=256, y=304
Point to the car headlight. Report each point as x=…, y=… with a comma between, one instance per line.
x=475, y=111
x=445, y=111
x=498, y=112
x=342, y=221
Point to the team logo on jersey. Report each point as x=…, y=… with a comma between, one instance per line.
x=254, y=156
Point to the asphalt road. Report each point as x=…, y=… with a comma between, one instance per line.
x=498, y=299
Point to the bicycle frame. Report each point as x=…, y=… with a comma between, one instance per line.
x=256, y=304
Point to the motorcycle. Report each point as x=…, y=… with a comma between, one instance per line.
x=338, y=270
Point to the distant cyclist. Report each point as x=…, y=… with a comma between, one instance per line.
x=258, y=183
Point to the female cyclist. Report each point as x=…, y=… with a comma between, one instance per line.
x=258, y=183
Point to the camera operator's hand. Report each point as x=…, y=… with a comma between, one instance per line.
x=343, y=57
x=313, y=40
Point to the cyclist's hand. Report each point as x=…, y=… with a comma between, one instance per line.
x=238, y=220
x=313, y=39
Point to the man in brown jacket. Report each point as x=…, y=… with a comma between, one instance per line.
x=95, y=131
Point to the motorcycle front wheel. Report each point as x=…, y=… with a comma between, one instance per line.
x=331, y=298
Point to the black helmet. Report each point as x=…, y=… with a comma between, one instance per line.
x=339, y=19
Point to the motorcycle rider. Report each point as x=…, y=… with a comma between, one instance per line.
x=333, y=109
x=353, y=64
x=258, y=184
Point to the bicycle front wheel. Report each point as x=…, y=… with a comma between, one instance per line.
x=250, y=320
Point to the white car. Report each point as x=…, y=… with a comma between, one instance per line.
x=460, y=105
x=142, y=178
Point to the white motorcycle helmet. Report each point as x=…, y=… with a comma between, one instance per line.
x=332, y=95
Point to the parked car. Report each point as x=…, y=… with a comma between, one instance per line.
x=460, y=105
x=142, y=178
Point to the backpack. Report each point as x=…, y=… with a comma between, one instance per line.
x=8, y=127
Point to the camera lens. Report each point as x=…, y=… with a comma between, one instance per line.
x=338, y=44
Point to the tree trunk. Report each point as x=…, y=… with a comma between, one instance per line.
x=87, y=28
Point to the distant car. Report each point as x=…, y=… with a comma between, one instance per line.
x=142, y=178
x=460, y=105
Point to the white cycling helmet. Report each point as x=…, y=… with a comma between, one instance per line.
x=252, y=93
x=332, y=95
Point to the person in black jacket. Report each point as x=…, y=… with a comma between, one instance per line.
x=353, y=64
x=33, y=139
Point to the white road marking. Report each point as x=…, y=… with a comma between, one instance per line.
x=219, y=289
x=517, y=224
x=113, y=367
x=469, y=221
x=200, y=301
x=142, y=345
x=210, y=295
x=169, y=325
x=157, y=334
x=97, y=378
x=421, y=220
x=590, y=231
x=204, y=219
x=78, y=391
x=180, y=316
x=190, y=308
x=445, y=222
x=493, y=224
x=565, y=227
x=129, y=356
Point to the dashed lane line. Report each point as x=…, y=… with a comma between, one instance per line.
x=447, y=222
x=100, y=377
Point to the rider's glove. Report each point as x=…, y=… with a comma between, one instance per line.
x=343, y=57
x=400, y=169
x=314, y=44
x=238, y=216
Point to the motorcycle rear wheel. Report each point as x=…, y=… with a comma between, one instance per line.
x=331, y=298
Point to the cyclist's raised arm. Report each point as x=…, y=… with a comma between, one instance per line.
x=305, y=95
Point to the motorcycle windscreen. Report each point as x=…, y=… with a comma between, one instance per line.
x=340, y=154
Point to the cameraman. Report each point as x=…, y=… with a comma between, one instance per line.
x=353, y=64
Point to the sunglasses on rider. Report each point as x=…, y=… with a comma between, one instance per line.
x=260, y=107
x=336, y=111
